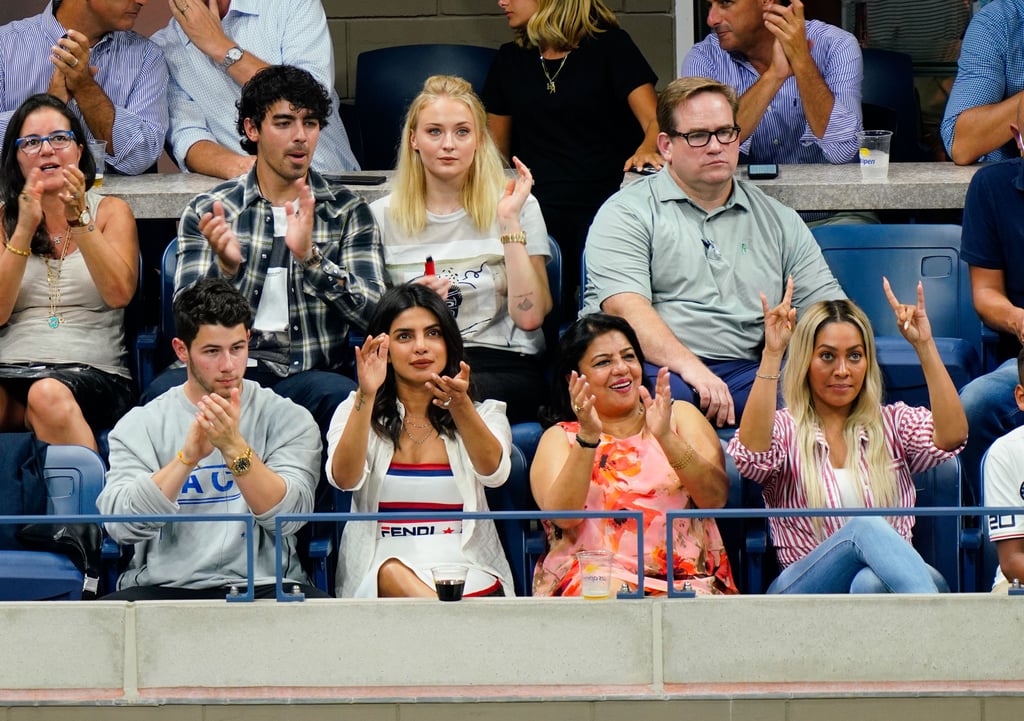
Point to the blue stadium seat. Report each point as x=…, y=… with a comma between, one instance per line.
x=515, y=495
x=388, y=79
x=153, y=348
x=937, y=538
x=859, y=255
x=889, y=84
x=74, y=478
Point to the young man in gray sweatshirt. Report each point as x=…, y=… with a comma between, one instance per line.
x=216, y=444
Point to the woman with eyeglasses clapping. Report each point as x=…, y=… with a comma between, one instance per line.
x=68, y=267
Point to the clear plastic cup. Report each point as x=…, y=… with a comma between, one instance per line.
x=595, y=574
x=450, y=581
x=98, y=148
x=874, y=154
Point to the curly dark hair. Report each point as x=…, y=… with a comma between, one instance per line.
x=573, y=344
x=12, y=180
x=396, y=300
x=211, y=301
x=280, y=82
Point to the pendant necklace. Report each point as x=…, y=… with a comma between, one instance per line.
x=549, y=76
x=53, y=288
x=57, y=239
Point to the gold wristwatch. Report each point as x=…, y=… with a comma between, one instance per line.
x=243, y=464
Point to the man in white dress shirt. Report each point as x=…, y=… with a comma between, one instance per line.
x=212, y=48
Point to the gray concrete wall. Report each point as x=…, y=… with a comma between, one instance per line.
x=954, y=656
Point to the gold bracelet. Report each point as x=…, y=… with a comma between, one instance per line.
x=685, y=460
x=182, y=461
x=768, y=377
x=519, y=237
x=18, y=251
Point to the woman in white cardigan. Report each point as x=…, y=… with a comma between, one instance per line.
x=411, y=438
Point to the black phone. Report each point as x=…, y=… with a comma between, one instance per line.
x=762, y=171
x=648, y=170
x=355, y=178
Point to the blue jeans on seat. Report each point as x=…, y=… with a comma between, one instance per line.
x=737, y=374
x=865, y=542
x=992, y=412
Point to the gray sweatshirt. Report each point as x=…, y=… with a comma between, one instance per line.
x=207, y=554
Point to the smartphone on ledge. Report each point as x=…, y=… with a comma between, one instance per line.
x=355, y=178
x=762, y=171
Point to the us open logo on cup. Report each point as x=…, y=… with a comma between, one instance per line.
x=595, y=574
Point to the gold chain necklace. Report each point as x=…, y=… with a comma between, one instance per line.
x=551, y=78
x=53, y=288
x=423, y=439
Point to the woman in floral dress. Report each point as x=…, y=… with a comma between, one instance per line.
x=615, y=445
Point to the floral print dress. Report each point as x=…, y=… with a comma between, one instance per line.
x=633, y=474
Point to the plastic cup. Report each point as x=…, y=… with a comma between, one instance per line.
x=595, y=574
x=874, y=154
x=98, y=148
x=449, y=580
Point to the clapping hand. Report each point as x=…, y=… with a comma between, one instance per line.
x=222, y=239
x=298, y=234
x=911, y=320
x=451, y=393
x=517, y=190
x=30, y=208
x=779, y=321
x=582, y=401
x=659, y=408
x=372, y=363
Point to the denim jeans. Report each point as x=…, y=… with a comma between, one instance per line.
x=737, y=374
x=865, y=543
x=992, y=412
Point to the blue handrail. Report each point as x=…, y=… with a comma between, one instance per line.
x=637, y=516
x=462, y=515
x=247, y=518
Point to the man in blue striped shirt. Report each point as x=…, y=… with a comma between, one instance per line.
x=989, y=82
x=85, y=53
x=213, y=47
x=799, y=80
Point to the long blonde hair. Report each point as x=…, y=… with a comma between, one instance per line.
x=486, y=176
x=865, y=414
x=562, y=24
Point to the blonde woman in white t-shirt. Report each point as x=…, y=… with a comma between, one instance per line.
x=455, y=223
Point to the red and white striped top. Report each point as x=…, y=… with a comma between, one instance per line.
x=908, y=436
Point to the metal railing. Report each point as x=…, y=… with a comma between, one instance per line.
x=249, y=522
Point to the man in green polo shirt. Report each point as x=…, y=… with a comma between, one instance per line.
x=683, y=254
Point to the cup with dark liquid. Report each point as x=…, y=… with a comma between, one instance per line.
x=449, y=580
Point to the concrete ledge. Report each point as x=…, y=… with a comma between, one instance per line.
x=510, y=651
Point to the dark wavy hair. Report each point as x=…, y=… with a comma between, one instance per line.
x=12, y=180
x=395, y=301
x=280, y=82
x=571, y=348
x=211, y=301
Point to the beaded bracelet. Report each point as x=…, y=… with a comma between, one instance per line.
x=18, y=251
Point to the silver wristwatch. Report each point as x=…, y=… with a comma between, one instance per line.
x=231, y=57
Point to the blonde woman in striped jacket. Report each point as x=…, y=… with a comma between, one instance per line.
x=835, y=445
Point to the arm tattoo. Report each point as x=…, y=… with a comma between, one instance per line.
x=360, y=399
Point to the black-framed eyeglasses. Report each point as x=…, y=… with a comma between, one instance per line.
x=700, y=138
x=58, y=140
